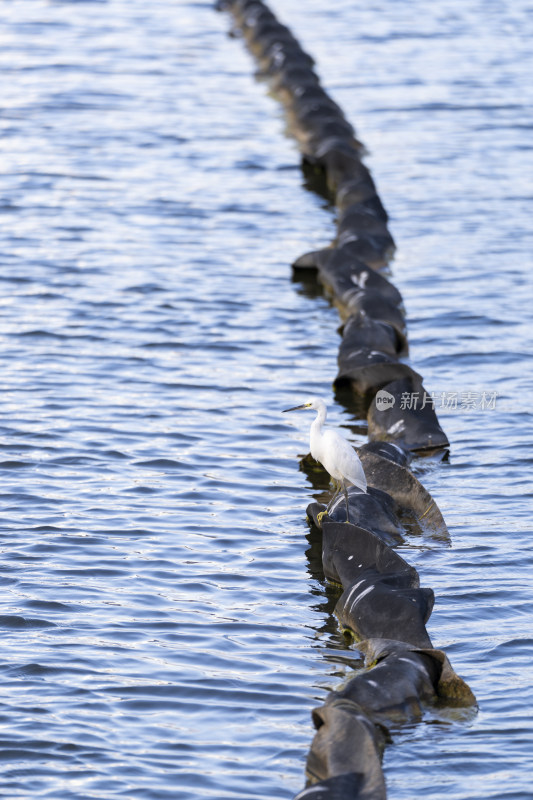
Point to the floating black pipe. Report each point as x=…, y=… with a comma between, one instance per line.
x=381, y=603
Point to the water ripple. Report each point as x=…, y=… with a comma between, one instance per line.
x=166, y=632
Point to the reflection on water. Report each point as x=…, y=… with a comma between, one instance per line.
x=165, y=624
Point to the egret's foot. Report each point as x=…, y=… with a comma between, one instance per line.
x=320, y=516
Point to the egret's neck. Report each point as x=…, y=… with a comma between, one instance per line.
x=316, y=427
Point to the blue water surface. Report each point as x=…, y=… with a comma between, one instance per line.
x=164, y=632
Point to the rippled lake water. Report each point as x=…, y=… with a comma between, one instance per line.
x=164, y=632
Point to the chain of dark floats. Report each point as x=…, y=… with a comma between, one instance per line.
x=382, y=604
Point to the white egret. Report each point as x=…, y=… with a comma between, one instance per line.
x=334, y=452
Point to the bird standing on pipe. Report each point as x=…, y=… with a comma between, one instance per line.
x=334, y=452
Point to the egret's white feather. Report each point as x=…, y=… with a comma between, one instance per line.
x=333, y=451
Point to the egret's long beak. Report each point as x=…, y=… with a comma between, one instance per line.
x=296, y=408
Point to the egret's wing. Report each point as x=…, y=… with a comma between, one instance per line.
x=358, y=477
x=341, y=460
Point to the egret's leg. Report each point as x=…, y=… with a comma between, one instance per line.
x=337, y=490
x=347, y=501
x=326, y=512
